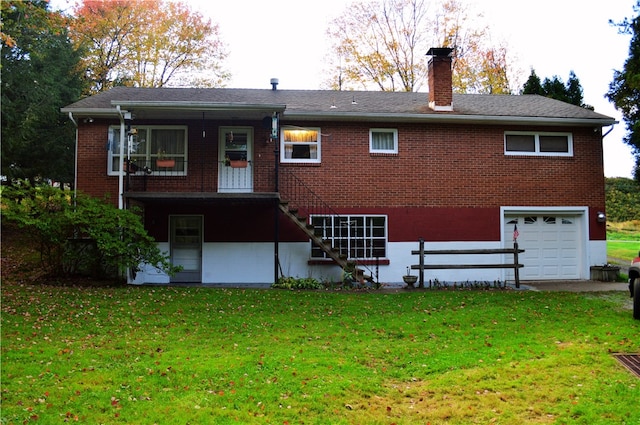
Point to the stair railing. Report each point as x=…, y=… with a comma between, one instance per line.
x=303, y=199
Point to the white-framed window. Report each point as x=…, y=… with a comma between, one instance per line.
x=300, y=145
x=151, y=147
x=362, y=237
x=532, y=143
x=383, y=140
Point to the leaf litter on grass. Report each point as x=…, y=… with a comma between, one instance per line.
x=177, y=355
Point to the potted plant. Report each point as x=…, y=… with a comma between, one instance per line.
x=163, y=162
x=409, y=279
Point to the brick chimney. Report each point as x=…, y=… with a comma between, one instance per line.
x=439, y=77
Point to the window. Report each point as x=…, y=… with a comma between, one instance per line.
x=300, y=145
x=359, y=237
x=148, y=145
x=383, y=140
x=550, y=144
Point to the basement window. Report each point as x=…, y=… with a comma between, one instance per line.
x=539, y=144
x=300, y=145
x=361, y=237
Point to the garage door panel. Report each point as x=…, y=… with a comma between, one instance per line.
x=552, y=245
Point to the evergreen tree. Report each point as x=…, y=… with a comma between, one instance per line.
x=40, y=74
x=533, y=85
x=624, y=90
x=574, y=90
x=556, y=89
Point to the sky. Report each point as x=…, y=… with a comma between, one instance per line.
x=286, y=39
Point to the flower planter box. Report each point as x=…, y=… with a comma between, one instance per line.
x=604, y=273
x=238, y=163
x=165, y=163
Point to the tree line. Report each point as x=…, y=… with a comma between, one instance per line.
x=51, y=59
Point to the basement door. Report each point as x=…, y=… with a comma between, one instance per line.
x=552, y=244
x=235, y=159
x=186, y=247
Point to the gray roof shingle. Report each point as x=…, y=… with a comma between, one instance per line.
x=346, y=104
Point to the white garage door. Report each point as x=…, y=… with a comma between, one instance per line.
x=552, y=245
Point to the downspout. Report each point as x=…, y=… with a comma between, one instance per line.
x=276, y=212
x=124, y=115
x=608, y=131
x=75, y=163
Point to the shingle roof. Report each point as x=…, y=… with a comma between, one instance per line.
x=326, y=104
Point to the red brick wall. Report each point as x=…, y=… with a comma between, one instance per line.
x=441, y=171
x=439, y=78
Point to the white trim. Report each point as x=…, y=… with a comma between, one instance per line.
x=384, y=130
x=437, y=107
x=317, y=143
x=149, y=156
x=536, y=135
x=581, y=212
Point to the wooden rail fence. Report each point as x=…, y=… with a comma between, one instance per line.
x=421, y=252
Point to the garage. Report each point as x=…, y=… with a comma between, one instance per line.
x=552, y=244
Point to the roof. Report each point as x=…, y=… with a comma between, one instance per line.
x=322, y=105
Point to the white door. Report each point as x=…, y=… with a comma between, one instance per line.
x=235, y=159
x=186, y=247
x=552, y=245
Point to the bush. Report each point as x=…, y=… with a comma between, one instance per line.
x=80, y=232
x=297, y=283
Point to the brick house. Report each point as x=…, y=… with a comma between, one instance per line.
x=268, y=182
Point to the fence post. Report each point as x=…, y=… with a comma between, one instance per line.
x=421, y=262
x=515, y=262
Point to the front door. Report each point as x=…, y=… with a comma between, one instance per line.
x=186, y=247
x=235, y=159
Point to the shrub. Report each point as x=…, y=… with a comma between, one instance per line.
x=111, y=239
x=297, y=283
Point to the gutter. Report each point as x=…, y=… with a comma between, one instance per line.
x=445, y=118
x=200, y=106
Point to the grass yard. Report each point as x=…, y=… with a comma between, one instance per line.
x=623, y=240
x=168, y=355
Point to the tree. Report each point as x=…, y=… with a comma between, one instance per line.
x=533, y=85
x=148, y=44
x=622, y=199
x=40, y=74
x=56, y=217
x=624, y=90
x=382, y=44
x=376, y=44
x=556, y=89
x=477, y=67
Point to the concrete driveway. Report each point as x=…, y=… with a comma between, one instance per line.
x=575, y=286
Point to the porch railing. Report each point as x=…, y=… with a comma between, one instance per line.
x=188, y=176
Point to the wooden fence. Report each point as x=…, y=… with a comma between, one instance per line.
x=421, y=252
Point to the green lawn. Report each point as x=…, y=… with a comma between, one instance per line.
x=623, y=240
x=144, y=355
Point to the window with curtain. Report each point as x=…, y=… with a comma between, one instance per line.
x=383, y=140
x=300, y=145
x=150, y=144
